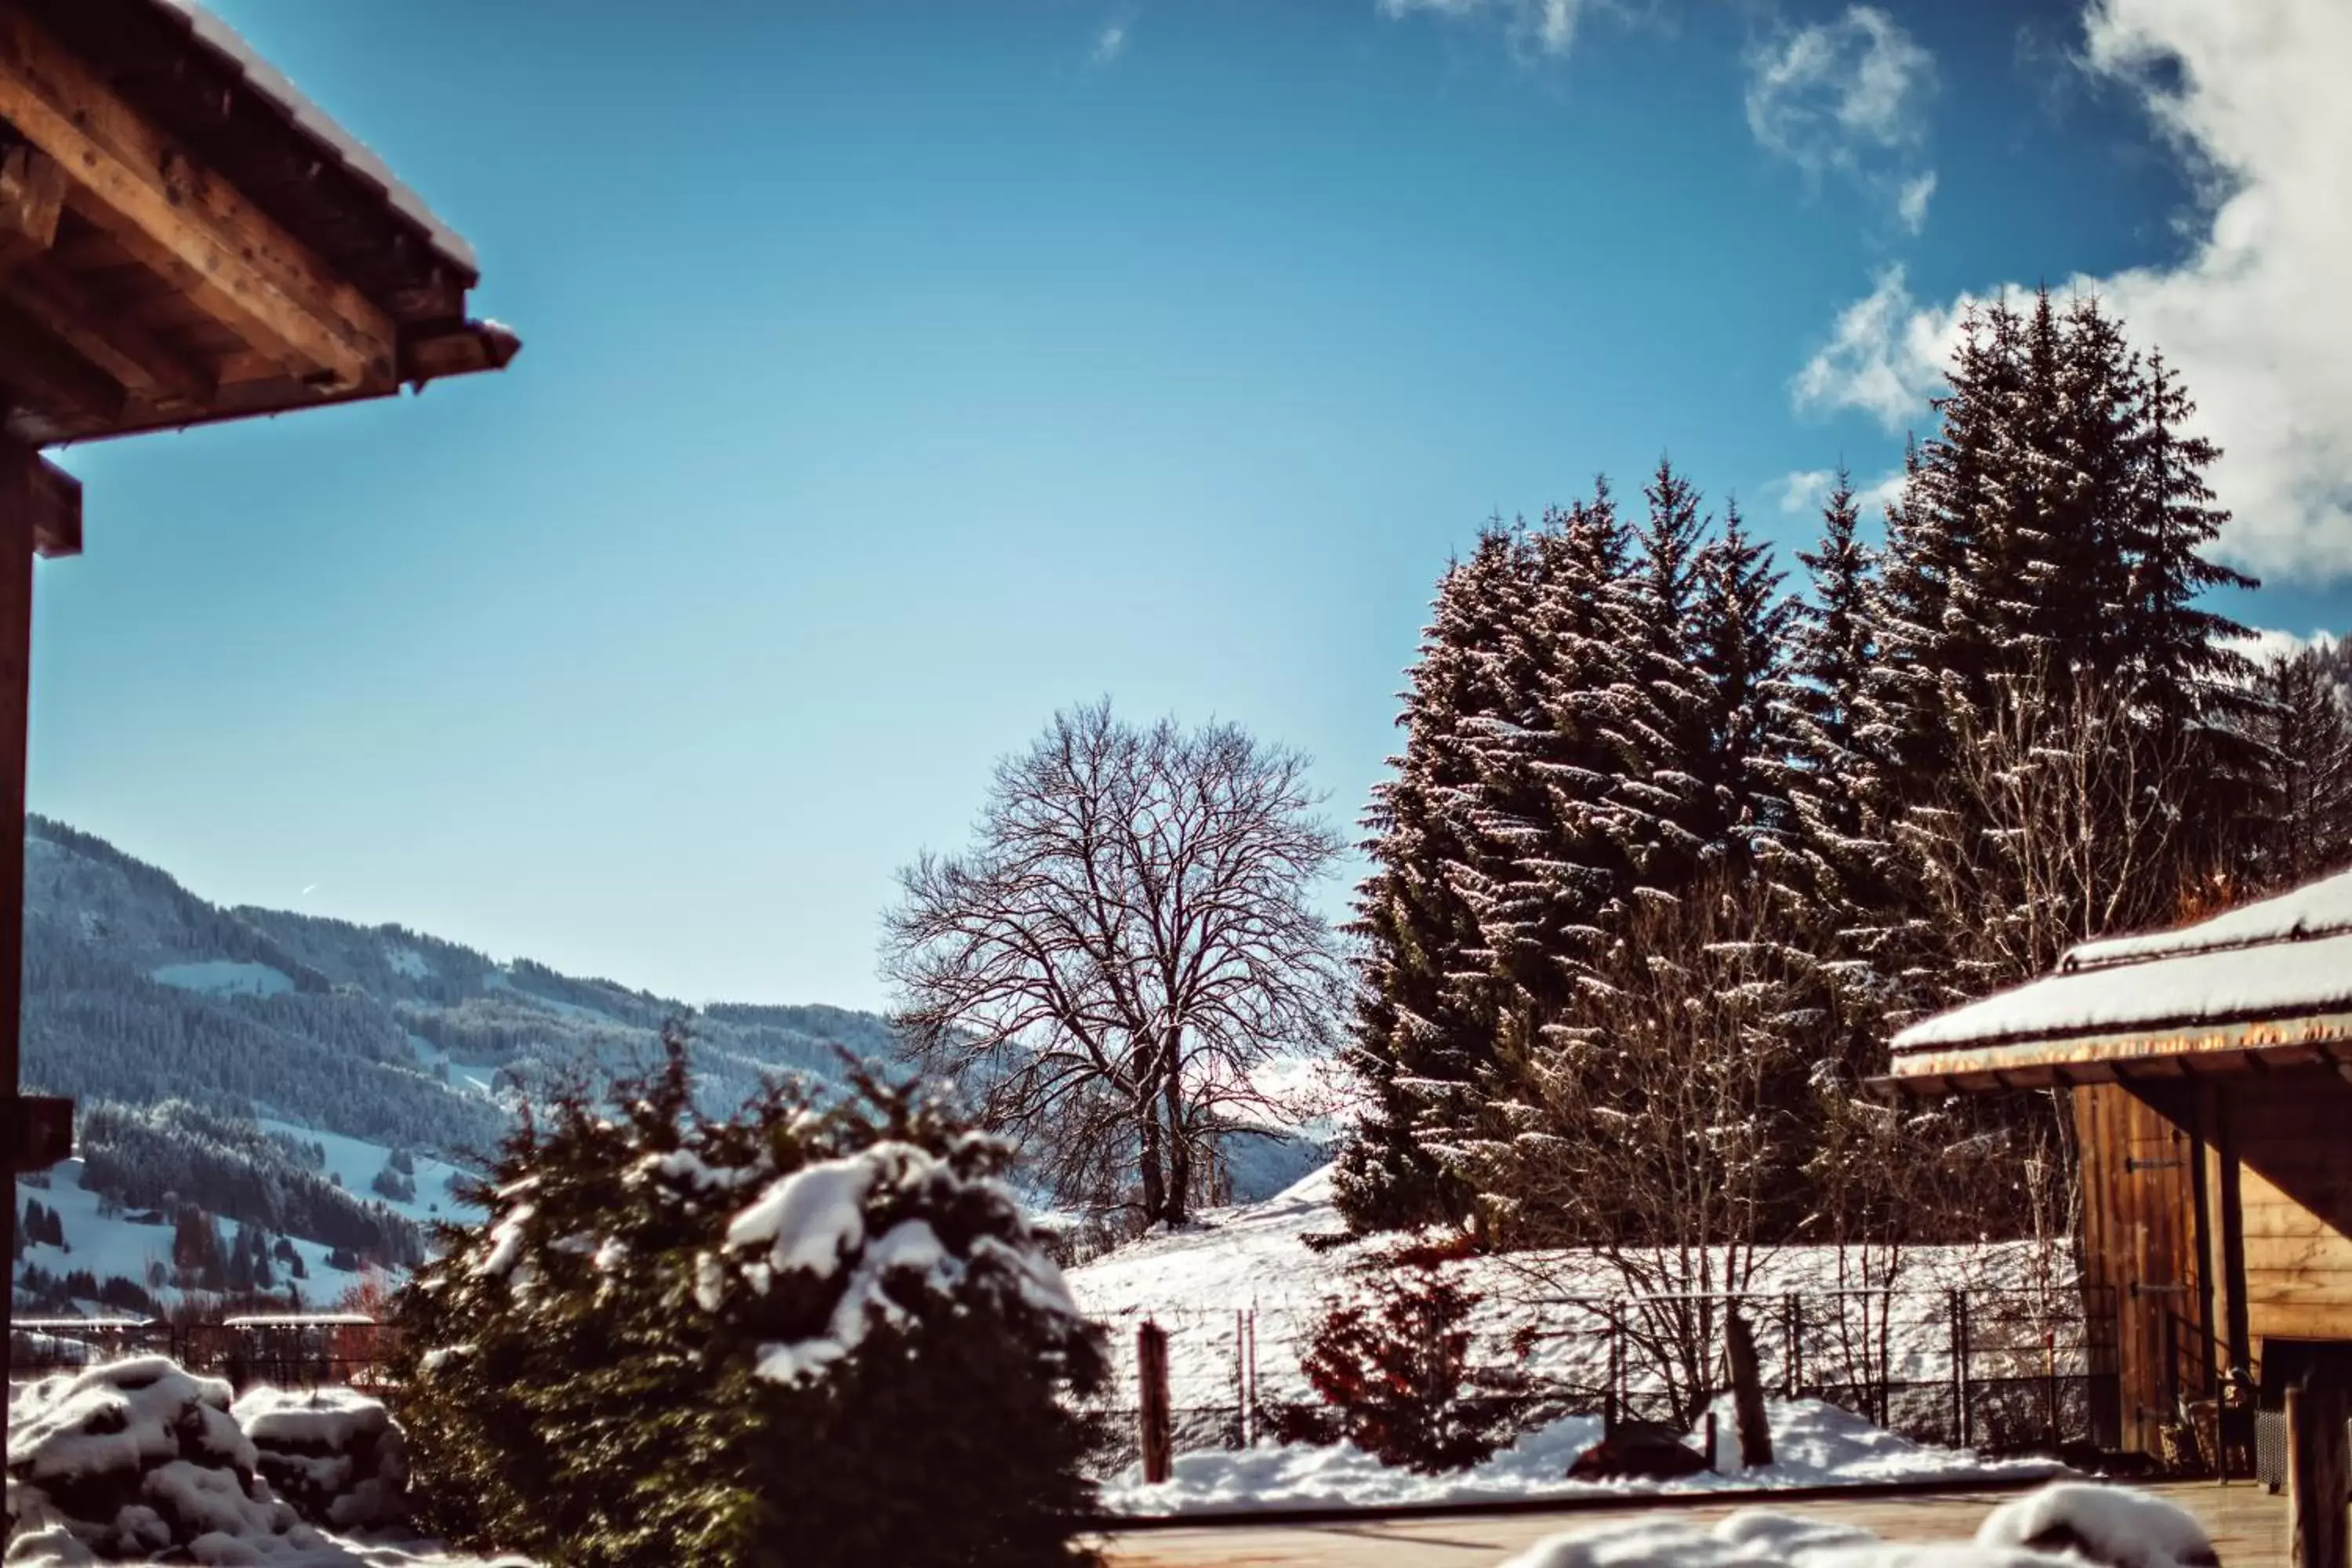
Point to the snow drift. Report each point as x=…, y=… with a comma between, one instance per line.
x=2064, y=1526
x=1814, y=1444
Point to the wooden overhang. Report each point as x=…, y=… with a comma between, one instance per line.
x=184, y=239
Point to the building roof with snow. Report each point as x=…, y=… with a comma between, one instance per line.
x=2264, y=985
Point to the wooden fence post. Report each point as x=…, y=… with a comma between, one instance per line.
x=1746, y=1389
x=2319, y=1478
x=1158, y=1440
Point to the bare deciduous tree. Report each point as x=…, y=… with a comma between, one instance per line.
x=1127, y=941
x=2062, y=822
x=1667, y=1124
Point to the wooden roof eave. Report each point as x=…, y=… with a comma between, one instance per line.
x=238, y=315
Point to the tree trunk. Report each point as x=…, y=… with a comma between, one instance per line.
x=1180, y=1148
x=1149, y=1170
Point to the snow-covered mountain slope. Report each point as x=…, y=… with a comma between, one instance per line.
x=386, y=1061
x=339, y=1076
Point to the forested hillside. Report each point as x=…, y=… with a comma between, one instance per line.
x=261, y=1078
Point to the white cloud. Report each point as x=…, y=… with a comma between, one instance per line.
x=2268, y=644
x=1807, y=490
x=1911, y=202
x=2257, y=318
x=1110, y=43
x=1848, y=96
x=1885, y=355
x=1546, y=26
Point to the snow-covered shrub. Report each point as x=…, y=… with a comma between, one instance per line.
x=332, y=1453
x=815, y=1332
x=135, y=1461
x=1396, y=1369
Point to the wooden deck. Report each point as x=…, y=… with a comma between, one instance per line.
x=2248, y=1524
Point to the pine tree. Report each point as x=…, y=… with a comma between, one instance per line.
x=1741, y=630
x=1421, y=1036
x=1831, y=653
x=2304, y=727
x=816, y=1333
x=1664, y=789
x=2182, y=659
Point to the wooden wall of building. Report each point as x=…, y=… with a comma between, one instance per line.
x=2291, y=1133
x=2218, y=1213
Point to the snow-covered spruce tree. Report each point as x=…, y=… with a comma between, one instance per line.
x=1833, y=777
x=1419, y=1038
x=1663, y=785
x=2305, y=725
x=814, y=1333
x=1741, y=636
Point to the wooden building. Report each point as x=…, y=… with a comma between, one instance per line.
x=2211, y=1074
x=183, y=239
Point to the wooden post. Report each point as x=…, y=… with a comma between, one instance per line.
x=1746, y=1389
x=2319, y=1478
x=19, y=468
x=1158, y=1439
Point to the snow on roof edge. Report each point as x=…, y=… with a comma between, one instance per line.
x=2316, y=909
x=354, y=154
x=2242, y=983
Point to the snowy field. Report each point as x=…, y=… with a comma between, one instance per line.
x=1253, y=1260
x=115, y=1245
x=1814, y=1445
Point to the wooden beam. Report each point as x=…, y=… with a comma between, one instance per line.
x=54, y=499
x=17, y=466
x=188, y=223
x=107, y=336
x=32, y=195
x=44, y=374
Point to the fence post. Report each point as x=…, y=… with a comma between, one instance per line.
x=1792, y=1367
x=1959, y=1364
x=1746, y=1389
x=1156, y=1439
x=2318, y=1475
x=1253, y=1373
x=1967, y=1352
x=1241, y=1378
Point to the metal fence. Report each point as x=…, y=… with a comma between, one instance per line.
x=1996, y=1371
x=338, y=1350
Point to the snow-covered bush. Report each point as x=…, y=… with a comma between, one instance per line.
x=135, y=1461
x=334, y=1454
x=820, y=1332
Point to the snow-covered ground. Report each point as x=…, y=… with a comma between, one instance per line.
x=2068, y=1523
x=113, y=1245
x=355, y=1163
x=1253, y=1260
x=1814, y=1445
x=225, y=977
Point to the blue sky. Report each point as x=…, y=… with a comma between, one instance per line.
x=894, y=374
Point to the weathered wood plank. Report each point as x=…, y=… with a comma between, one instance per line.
x=191, y=226
x=32, y=196
x=111, y=339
